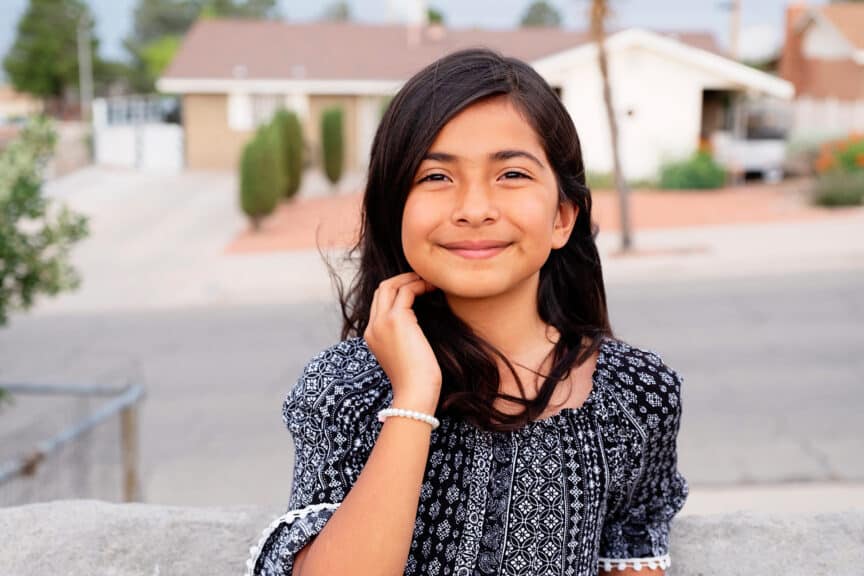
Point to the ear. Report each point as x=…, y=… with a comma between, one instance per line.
x=565, y=220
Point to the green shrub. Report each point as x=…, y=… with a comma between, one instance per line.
x=839, y=188
x=36, y=234
x=274, y=137
x=288, y=125
x=700, y=171
x=260, y=176
x=332, y=143
x=600, y=180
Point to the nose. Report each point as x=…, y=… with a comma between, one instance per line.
x=475, y=204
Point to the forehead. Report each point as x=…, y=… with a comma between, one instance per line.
x=492, y=123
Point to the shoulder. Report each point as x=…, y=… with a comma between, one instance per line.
x=647, y=386
x=342, y=381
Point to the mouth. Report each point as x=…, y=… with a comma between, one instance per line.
x=478, y=251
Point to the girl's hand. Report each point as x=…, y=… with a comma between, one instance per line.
x=395, y=338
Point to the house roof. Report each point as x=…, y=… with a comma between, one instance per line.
x=725, y=71
x=848, y=19
x=253, y=49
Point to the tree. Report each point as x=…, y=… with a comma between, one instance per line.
x=152, y=21
x=34, y=242
x=599, y=12
x=43, y=60
x=541, y=13
x=434, y=16
x=157, y=54
x=254, y=9
x=337, y=12
x=158, y=27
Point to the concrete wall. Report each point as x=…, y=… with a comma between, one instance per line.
x=86, y=537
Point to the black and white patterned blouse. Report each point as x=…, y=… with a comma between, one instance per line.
x=589, y=487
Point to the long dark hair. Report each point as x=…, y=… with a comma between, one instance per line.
x=571, y=294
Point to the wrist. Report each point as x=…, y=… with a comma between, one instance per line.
x=425, y=406
x=411, y=414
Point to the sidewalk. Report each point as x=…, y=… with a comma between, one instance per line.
x=179, y=240
x=333, y=220
x=776, y=498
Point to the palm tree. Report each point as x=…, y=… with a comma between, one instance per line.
x=599, y=11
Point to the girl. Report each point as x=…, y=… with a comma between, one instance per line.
x=478, y=416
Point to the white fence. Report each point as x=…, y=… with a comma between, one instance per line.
x=132, y=132
x=827, y=117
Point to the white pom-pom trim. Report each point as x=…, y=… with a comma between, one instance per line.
x=607, y=564
x=288, y=517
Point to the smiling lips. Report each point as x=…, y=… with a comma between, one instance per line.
x=477, y=249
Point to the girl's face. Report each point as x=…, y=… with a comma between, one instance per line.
x=485, y=179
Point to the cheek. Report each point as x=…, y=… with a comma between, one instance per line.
x=535, y=218
x=417, y=223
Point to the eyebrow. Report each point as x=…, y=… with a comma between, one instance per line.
x=495, y=156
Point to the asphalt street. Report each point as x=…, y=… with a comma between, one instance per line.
x=763, y=322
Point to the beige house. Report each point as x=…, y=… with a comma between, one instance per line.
x=233, y=74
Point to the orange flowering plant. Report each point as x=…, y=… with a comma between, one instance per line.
x=840, y=172
x=845, y=155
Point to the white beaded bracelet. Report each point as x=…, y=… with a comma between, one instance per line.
x=383, y=414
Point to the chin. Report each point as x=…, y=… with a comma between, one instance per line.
x=472, y=285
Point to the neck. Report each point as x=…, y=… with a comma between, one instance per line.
x=509, y=321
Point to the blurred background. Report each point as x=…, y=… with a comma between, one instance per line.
x=169, y=169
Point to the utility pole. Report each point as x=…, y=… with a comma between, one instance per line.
x=599, y=12
x=734, y=8
x=85, y=66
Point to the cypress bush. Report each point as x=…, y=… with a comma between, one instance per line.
x=332, y=143
x=275, y=139
x=700, y=171
x=260, y=183
x=288, y=125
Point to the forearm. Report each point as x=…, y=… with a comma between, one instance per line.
x=371, y=531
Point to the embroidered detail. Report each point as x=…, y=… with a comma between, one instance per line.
x=286, y=518
x=636, y=563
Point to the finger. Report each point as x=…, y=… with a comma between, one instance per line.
x=400, y=279
x=387, y=289
x=374, y=306
x=407, y=293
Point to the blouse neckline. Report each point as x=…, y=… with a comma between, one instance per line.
x=595, y=385
x=567, y=412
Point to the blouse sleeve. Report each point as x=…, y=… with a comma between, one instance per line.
x=330, y=415
x=636, y=534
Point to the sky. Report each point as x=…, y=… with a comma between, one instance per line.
x=761, y=20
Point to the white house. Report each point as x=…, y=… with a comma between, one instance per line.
x=671, y=90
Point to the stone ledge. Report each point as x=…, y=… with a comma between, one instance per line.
x=92, y=537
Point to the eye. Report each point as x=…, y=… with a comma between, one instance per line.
x=517, y=174
x=432, y=178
